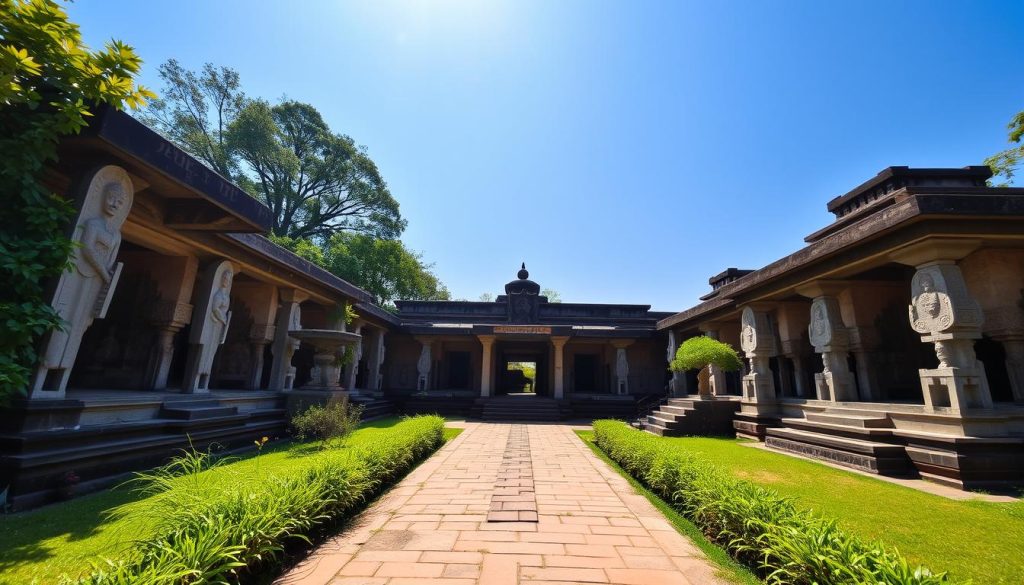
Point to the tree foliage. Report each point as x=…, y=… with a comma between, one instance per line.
x=1004, y=164
x=49, y=81
x=317, y=182
x=384, y=268
x=553, y=295
x=697, y=352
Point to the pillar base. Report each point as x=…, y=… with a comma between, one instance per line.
x=954, y=390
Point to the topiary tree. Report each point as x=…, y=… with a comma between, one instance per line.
x=697, y=353
x=49, y=81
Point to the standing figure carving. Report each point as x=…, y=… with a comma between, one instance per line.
x=84, y=291
x=210, y=321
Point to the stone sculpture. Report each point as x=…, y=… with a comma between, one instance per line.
x=830, y=338
x=423, y=367
x=84, y=291
x=210, y=323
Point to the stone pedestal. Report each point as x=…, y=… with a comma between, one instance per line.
x=954, y=390
x=758, y=342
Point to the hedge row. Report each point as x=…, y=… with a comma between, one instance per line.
x=219, y=536
x=756, y=525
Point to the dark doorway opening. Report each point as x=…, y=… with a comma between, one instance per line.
x=585, y=372
x=459, y=373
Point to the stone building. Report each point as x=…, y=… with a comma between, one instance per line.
x=187, y=326
x=892, y=342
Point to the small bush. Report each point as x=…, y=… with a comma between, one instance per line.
x=697, y=352
x=214, y=535
x=756, y=525
x=327, y=423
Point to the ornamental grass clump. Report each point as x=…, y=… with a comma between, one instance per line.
x=327, y=423
x=219, y=529
x=757, y=526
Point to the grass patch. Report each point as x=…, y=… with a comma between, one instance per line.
x=41, y=545
x=730, y=569
x=972, y=539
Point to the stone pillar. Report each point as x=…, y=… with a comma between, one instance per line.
x=210, y=321
x=793, y=319
x=175, y=277
x=375, y=360
x=261, y=300
x=424, y=364
x=84, y=291
x=352, y=370
x=830, y=339
x=758, y=342
x=1015, y=366
x=486, y=364
x=677, y=384
x=716, y=377
x=621, y=366
x=945, y=314
x=943, y=311
x=289, y=318
x=559, y=347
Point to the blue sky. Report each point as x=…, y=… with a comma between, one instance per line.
x=625, y=150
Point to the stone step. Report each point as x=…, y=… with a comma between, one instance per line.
x=852, y=432
x=851, y=420
x=870, y=456
x=195, y=413
x=677, y=410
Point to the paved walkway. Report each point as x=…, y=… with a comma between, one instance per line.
x=433, y=528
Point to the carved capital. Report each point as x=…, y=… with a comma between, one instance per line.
x=826, y=331
x=941, y=306
x=262, y=333
x=756, y=335
x=171, y=314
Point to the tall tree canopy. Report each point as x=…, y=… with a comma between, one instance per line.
x=384, y=268
x=317, y=182
x=1004, y=164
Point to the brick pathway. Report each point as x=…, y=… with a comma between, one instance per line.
x=433, y=528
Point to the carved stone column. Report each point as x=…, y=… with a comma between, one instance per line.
x=486, y=361
x=621, y=366
x=259, y=336
x=1015, y=366
x=793, y=319
x=677, y=384
x=758, y=342
x=289, y=318
x=830, y=339
x=375, y=360
x=169, y=317
x=424, y=364
x=559, y=346
x=210, y=321
x=945, y=314
x=352, y=370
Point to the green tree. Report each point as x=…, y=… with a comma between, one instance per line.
x=553, y=295
x=1004, y=164
x=49, y=82
x=486, y=298
x=197, y=110
x=697, y=353
x=384, y=268
x=316, y=182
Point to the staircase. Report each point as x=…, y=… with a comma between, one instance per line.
x=862, y=440
x=374, y=405
x=519, y=408
x=685, y=416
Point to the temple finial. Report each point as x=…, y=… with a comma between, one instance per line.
x=523, y=274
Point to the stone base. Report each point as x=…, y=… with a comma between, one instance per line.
x=40, y=415
x=865, y=455
x=954, y=390
x=753, y=426
x=298, y=401
x=969, y=463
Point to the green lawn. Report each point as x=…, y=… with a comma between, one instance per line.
x=40, y=545
x=972, y=539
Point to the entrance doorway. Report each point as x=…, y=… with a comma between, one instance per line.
x=522, y=369
x=585, y=372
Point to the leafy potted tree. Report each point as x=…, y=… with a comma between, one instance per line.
x=700, y=353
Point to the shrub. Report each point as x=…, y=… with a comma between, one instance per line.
x=327, y=423
x=697, y=352
x=756, y=525
x=215, y=534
